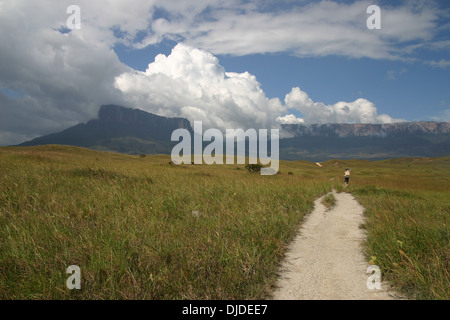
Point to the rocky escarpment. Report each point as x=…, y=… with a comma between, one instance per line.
x=367, y=130
x=125, y=116
x=119, y=129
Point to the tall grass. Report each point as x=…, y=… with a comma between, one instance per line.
x=407, y=205
x=128, y=223
x=140, y=228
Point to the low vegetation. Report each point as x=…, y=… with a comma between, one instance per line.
x=408, y=214
x=254, y=168
x=129, y=224
x=140, y=228
x=329, y=201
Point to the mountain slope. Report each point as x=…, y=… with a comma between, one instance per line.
x=135, y=131
x=119, y=129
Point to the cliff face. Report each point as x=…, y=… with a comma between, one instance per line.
x=125, y=116
x=119, y=129
x=368, y=130
x=366, y=141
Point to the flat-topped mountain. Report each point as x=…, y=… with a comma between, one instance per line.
x=366, y=141
x=119, y=129
x=156, y=126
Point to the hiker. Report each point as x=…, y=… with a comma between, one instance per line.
x=346, y=176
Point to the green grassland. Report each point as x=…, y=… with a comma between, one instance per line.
x=408, y=216
x=142, y=228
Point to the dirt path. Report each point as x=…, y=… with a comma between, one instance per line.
x=325, y=260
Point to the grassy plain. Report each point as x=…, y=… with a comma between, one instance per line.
x=407, y=205
x=141, y=228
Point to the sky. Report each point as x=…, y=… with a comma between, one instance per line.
x=230, y=64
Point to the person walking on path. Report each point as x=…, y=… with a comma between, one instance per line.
x=346, y=176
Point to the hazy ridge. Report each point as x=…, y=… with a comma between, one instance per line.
x=134, y=131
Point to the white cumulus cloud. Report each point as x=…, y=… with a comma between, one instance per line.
x=358, y=111
x=191, y=83
x=290, y=119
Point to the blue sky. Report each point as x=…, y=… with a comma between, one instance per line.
x=409, y=90
x=230, y=63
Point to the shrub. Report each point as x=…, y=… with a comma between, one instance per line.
x=253, y=167
x=329, y=201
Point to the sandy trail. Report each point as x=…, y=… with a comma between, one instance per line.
x=325, y=261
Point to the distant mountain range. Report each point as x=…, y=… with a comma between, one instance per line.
x=135, y=131
x=346, y=130
x=366, y=141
